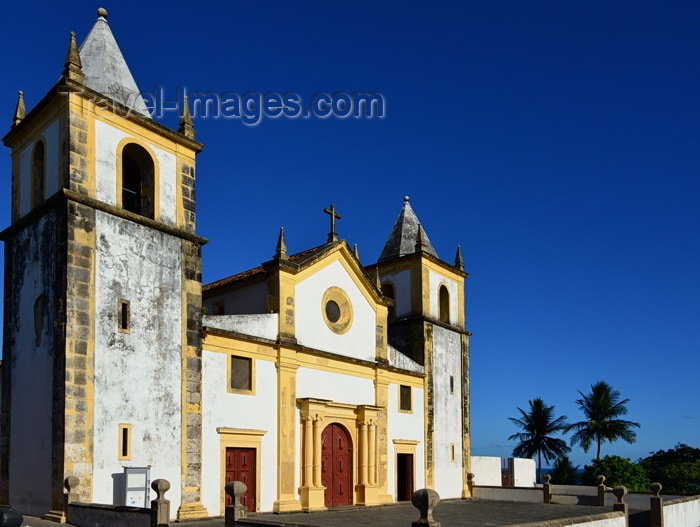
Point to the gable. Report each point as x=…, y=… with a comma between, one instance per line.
x=348, y=330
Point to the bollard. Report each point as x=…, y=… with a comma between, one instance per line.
x=160, y=507
x=236, y=510
x=620, y=493
x=425, y=500
x=601, y=491
x=547, y=489
x=656, y=503
x=71, y=495
x=10, y=517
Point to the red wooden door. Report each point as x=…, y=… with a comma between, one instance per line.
x=336, y=466
x=240, y=466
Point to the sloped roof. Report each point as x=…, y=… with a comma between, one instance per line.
x=105, y=69
x=402, y=240
x=255, y=274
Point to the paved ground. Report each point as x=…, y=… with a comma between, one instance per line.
x=450, y=513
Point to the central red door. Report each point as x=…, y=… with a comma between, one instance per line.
x=240, y=466
x=336, y=466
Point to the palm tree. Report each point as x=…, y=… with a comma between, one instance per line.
x=564, y=473
x=539, y=424
x=601, y=408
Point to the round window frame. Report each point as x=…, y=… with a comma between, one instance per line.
x=340, y=297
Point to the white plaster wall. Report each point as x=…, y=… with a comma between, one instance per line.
x=231, y=410
x=336, y=387
x=246, y=300
x=137, y=374
x=402, y=288
x=31, y=397
x=447, y=361
x=487, y=470
x=106, y=140
x=52, y=175
x=684, y=513
x=524, y=472
x=264, y=326
x=399, y=360
x=435, y=280
x=311, y=329
x=51, y=184
x=25, y=180
x=409, y=427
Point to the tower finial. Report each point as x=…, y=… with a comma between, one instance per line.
x=420, y=239
x=186, y=124
x=377, y=281
x=406, y=198
x=459, y=263
x=102, y=12
x=356, y=252
x=20, y=110
x=281, y=249
x=73, y=66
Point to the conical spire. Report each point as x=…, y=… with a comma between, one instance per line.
x=186, y=124
x=105, y=69
x=20, y=110
x=402, y=240
x=73, y=65
x=281, y=249
x=459, y=263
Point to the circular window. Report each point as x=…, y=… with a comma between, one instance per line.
x=337, y=310
x=332, y=311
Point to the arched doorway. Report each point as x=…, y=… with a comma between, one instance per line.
x=336, y=465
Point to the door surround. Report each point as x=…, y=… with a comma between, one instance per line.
x=239, y=438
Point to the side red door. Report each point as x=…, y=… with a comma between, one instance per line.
x=336, y=466
x=240, y=466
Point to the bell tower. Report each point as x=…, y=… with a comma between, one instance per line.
x=102, y=300
x=427, y=324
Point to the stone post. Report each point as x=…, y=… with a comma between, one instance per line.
x=657, y=506
x=601, y=491
x=160, y=507
x=425, y=500
x=547, y=489
x=71, y=495
x=470, y=483
x=236, y=510
x=621, y=506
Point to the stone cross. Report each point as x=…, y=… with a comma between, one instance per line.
x=332, y=236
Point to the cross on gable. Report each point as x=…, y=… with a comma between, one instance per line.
x=332, y=236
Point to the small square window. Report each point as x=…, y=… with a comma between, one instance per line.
x=241, y=374
x=124, y=316
x=124, y=442
x=405, y=399
x=218, y=307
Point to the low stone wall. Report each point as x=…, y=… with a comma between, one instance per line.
x=525, y=494
x=682, y=512
x=608, y=519
x=98, y=515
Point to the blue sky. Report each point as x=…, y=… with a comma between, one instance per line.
x=556, y=142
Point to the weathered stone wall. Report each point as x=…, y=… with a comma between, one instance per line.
x=28, y=359
x=138, y=378
x=447, y=407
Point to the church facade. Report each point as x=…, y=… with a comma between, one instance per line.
x=317, y=381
